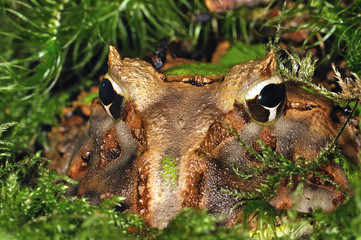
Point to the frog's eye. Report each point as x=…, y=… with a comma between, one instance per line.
x=265, y=99
x=112, y=97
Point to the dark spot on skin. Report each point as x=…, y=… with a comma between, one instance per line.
x=142, y=190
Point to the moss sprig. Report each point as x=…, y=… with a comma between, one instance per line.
x=5, y=146
x=299, y=70
x=335, y=24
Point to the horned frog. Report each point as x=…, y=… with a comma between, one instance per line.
x=165, y=144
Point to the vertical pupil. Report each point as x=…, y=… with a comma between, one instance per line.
x=272, y=94
x=106, y=92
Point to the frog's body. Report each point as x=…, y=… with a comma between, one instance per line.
x=170, y=147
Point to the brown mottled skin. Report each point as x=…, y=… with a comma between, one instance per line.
x=174, y=118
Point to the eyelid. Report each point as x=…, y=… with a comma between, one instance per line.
x=114, y=84
x=112, y=97
x=256, y=87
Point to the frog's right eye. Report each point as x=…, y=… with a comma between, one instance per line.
x=265, y=100
x=112, y=97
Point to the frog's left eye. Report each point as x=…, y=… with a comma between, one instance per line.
x=112, y=97
x=265, y=99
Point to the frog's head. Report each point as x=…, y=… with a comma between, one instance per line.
x=165, y=145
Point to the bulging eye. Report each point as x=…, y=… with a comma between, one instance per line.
x=112, y=97
x=265, y=100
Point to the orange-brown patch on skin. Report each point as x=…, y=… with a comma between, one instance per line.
x=334, y=173
x=143, y=195
x=268, y=138
x=283, y=197
x=285, y=204
x=110, y=148
x=133, y=120
x=79, y=166
x=217, y=133
x=192, y=195
x=237, y=118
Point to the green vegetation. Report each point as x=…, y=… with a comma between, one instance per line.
x=52, y=49
x=197, y=224
x=334, y=26
x=33, y=204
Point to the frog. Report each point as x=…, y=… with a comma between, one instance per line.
x=164, y=142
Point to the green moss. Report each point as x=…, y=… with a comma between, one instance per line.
x=197, y=224
x=41, y=211
x=241, y=52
